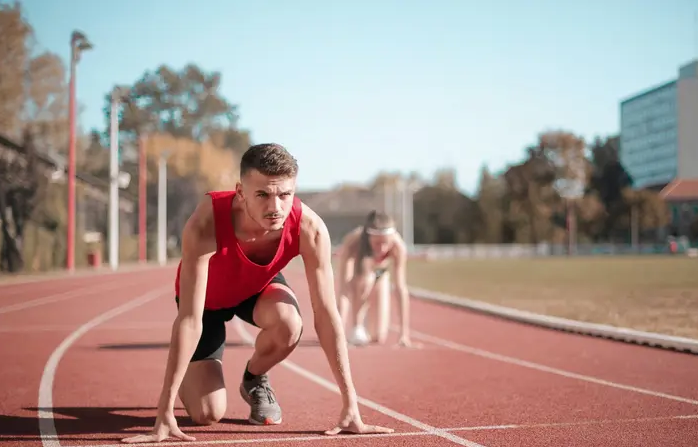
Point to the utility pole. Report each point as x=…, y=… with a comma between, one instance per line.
x=78, y=44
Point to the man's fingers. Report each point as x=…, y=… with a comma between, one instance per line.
x=141, y=439
x=334, y=431
x=376, y=429
x=178, y=434
x=364, y=429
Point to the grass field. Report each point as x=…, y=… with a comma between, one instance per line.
x=656, y=294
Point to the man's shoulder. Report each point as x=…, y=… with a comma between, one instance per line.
x=310, y=220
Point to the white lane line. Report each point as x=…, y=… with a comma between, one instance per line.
x=247, y=337
x=67, y=327
x=47, y=426
x=73, y=293
x=266, y=439
x=135, y=267
x=326, y=438
x=571, y=424
x=560, y=372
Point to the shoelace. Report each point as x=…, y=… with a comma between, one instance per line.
x=262, y=391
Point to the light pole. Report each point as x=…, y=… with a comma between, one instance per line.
x=142, y=202
x=388, y=197
x=407, y=189
x=117, y=95
x=78, y=44
x=162, y=207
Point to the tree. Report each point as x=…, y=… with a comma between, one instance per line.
x=46, y=107
x=33, y=111
x=489, y=202
x=185, y=104
x=14, y=58
x=612, y=184
x=442, y=214
x=644, y=210
x=445, y=178
x=566, y=152
x=18, y=189
x=530, y=200
x=193, y=169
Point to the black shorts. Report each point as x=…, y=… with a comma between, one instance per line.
x=212, y=341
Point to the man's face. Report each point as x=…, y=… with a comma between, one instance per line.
x=268, y=200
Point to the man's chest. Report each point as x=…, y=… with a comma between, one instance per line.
x=261, y=251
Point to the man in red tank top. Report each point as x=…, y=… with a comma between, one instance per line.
x=234, y=247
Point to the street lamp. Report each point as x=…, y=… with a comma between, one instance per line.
x=162, y=207
x=407, y=188
x=118, y=94
x=78, y=44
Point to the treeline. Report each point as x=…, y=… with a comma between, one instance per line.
x=33, y=115
x=563, y=191
x=178, y=111
x=182, y=115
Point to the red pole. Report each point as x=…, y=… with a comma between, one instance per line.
x=141, y=201
x=70, y=258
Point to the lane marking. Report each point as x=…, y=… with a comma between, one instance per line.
x=73, y=293
x=248, y=338
x=537, y=366
x=58, y=276
x=569, y=424
x=47, y=426
x=264, y=439
x=66, y=327
x=326, y=438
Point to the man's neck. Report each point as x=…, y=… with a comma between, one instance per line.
x=245, y=224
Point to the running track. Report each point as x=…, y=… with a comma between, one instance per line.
x=83, y=359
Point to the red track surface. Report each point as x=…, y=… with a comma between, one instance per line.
x=477, y=380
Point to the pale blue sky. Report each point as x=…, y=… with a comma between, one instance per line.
x=355, y=87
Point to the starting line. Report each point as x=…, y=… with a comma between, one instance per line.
x=408, y=434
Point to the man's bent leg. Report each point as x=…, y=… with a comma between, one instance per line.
x=202, y=391
x=276, y=313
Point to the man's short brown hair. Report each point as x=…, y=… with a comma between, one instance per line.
x=269, y=159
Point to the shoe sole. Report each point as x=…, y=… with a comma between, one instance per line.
x=251, y=420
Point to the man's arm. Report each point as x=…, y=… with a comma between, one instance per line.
x=401, y=290
x=316, y=251
x=198, y=245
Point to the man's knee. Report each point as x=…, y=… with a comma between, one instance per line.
x=208, y=413
x=278, y=313
x=290, y=327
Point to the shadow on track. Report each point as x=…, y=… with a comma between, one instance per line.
x=119, y=422
x=235, y=344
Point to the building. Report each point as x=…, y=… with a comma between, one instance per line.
x=659, y=131
x=342, y=209
x=681, y=197
x=346, y=207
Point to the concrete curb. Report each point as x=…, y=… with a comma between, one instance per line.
x=651, y=339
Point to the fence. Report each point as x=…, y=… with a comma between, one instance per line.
x=538, y=250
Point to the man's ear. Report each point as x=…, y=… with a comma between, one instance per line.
x=238, y=190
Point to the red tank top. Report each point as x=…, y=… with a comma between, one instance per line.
x=232, y=277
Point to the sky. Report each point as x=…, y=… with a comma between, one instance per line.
x=356, y=87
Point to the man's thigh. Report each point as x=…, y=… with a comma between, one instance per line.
x=211, y=344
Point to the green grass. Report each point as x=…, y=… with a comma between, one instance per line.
x=657, y=294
